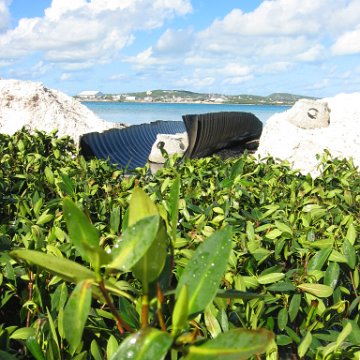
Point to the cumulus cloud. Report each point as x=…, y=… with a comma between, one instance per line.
x=75, y=30
x=4, y=14
x=175, y=41
x=348, y=43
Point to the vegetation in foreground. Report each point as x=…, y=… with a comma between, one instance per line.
x=205, y=260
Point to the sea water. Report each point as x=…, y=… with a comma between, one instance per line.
x=134, y=113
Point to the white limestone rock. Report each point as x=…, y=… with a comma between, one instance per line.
x=285, y=141
x=171, y=143
x=31, y=104
x=309, y=114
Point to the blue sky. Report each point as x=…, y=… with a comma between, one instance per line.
x=304, y=47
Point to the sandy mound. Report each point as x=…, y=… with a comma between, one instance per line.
x=286, y=141
x=31, y=104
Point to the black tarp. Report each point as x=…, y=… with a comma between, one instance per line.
x=128, y=147
x=208, y=133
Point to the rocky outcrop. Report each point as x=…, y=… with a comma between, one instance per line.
x=309, y=114
x=285, y=139
x=32, y=105
x=171, y=143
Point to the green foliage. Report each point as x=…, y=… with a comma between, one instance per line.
x=205, y=259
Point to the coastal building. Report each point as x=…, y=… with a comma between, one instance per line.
x=90, y=95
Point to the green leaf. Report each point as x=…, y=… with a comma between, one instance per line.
x=66, y=269
x=205, y=269
x=282, y=286
x=111, y=346
x=44, y=218
x=351, y=233
x=76, y=313
x=146, y=344
x=319, y=259
x=84, y=235
x=149, y=267
x=283, y=316
x=140, y=206
x=235, y=344
x=318, y=290
x=67, y=185
x=115, y=220
x=273, y=234
x=180, y=312
x=294, y=306
x=135, y=242
x=211, y=321
x=349, y=253
x=174, y=206
x=332, y=274
x=304, y=345
x=95, y=350
x=283, y=227
x=22, y=333
x=270, y=278
x=34, y=347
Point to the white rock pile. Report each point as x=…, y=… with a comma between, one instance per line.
x=300, y=141
x=31, y=104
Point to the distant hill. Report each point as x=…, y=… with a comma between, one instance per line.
x=189, y=96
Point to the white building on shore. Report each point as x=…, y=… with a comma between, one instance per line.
x=90, y=95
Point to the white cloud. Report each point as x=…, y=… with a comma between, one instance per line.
x=175, y=41
x=4, y=14
x=75, y=30
x=348, y=43
x=65, y=76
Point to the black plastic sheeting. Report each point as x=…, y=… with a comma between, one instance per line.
x=208, y=133
x=129, y=147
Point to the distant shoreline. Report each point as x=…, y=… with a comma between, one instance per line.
x=186, y=102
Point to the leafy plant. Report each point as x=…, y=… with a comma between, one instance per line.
x=200, y=260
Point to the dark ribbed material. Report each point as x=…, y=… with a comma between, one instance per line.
x=128, y=147
x=208, y=133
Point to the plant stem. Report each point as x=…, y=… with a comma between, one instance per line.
x=120, y=323
x=30, y=287
x=144, y=310
x=160, y=297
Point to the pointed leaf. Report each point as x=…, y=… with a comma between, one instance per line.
x=115, y=220
x=318, y=290
x=205, y=269
x=332, y=274
x=239, y=344
x=66, y=269
x=149, y=267
x=111, y=346
x=294, y=306
x=140, y=206
x=84, y=235
x=349, y=253
x=180, y=313
x=76, y=313
x=135, y=242
x=319, y=259
x=34, y=347
x=304, y=345
x=211, y=322
x=270, y=278
x=146, y=344
x=174, y=206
